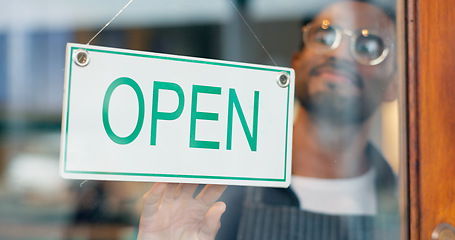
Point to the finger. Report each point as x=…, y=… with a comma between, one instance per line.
x=186, y=190
x=152, y=199
x=169, y=194
x=210, y=194
x=211, y=222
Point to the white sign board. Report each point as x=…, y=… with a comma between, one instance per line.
x=141, y=116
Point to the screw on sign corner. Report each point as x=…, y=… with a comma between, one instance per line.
x=283, y=79
x=81, y=58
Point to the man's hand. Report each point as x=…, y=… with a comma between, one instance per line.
x=171, y=212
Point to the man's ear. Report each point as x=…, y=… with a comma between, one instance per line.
x=391, y=92
x=295, y=59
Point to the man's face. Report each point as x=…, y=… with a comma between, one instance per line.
x=333, y=86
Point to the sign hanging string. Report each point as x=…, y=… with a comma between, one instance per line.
x=252, y=32
x=107, y=24
x=233, y=5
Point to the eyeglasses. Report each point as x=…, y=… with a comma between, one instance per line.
x=366, y=48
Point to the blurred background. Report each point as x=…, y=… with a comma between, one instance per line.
x=35, y=202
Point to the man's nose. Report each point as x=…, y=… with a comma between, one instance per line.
x=343, y=51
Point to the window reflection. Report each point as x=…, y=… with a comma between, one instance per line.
x=35, y=203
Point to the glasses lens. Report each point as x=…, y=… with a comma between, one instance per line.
x=369, y=47
x=321, y=37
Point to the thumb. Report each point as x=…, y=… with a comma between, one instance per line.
x=211, y=222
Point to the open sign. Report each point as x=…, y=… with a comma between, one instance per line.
x=140, y=116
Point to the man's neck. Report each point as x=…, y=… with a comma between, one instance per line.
x=322, y=150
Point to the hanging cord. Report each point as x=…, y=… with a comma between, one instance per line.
x=107, y=24
x=252, y=32
x=233, y=5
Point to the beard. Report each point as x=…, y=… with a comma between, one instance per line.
x=331, y=105
x=337, y=110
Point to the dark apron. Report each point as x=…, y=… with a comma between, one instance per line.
x=260, y=221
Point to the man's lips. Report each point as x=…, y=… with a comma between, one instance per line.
x=335, y=77
x=338, y=76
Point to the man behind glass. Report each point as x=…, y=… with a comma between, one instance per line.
x=342, y=188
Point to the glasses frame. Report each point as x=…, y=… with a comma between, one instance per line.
x=353, y=35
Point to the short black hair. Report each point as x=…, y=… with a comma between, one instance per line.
x=388, y=6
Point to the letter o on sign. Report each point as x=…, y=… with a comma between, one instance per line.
x=140, y=119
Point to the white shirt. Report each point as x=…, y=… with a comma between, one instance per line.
x=353, y=196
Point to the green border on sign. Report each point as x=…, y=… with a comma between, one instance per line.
x=172, y=58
